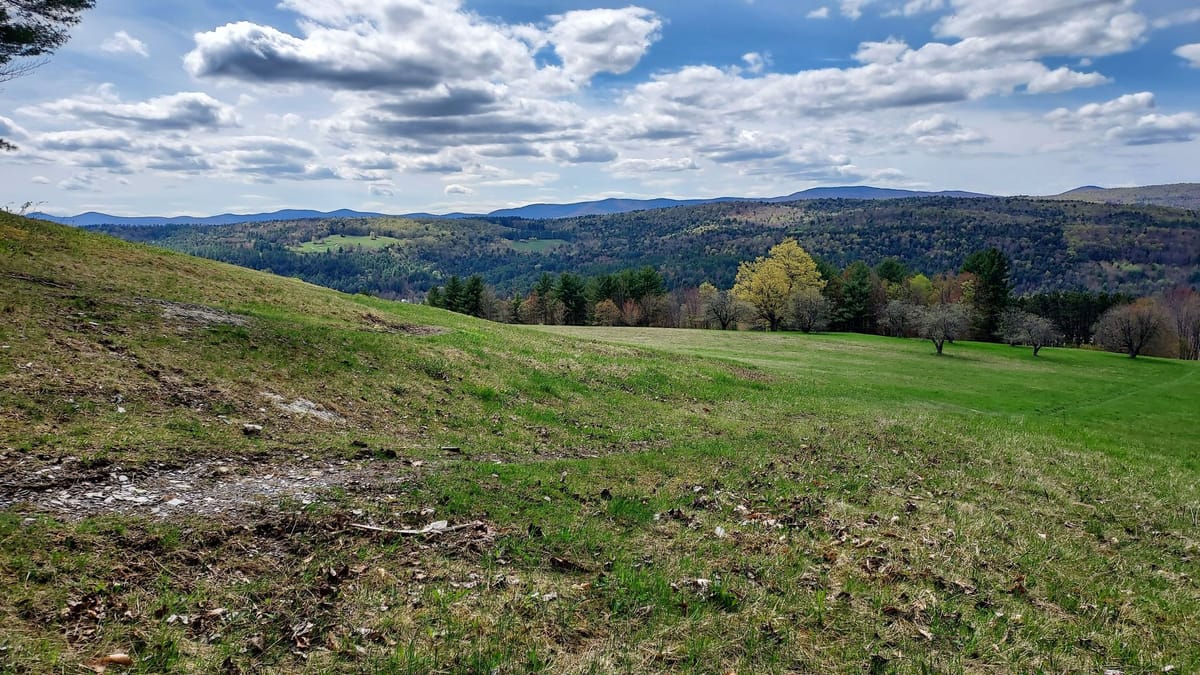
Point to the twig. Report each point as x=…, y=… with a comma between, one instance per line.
x=411, y=533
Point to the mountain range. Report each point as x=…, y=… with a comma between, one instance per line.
x=1178, y=195
x=532, y=211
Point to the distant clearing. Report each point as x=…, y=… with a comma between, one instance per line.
x=345, y=242
x=537, y=245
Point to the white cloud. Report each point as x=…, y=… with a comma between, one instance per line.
x=602, y=40
x=10, y=129
x=755, y=62
x=1179, y=18
x=634, y=167
x=1039, y=28
x=124, y=43
x=852, y=9
x=176, y=112
x=1154, y=129
x=1095, y=115
x=1128, y=120
x=942, y=131
x=1064, y=79
x=456, y=189
x=40, y=180
x=914, y=7
x=819, y=13
x=1191, y=53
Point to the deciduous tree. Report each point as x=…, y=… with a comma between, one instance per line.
x=943, y=322
x=768, y=283
x=810, y=310
x=1023, y=328
x=1129, y=328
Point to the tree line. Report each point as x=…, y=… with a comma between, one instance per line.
x=789, y=289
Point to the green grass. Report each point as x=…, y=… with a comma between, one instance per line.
x=537, y=245
x=680, y=501
x=335, y=241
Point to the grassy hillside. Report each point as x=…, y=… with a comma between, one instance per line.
x=612, y=500
x=1053, y=245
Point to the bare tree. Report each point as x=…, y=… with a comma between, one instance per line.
x=723, y=309
x=899, y=318
x=1024, y=328
x=810, y=310
x=1183, y=307
x=940, y=323
x=1129, y=328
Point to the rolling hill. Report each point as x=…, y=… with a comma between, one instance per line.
x=532, y=211
x=214, y=469
x=1054, y=244
x=1178, y=195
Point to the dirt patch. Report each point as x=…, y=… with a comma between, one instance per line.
x=381, y=324
x=196, y=315
x=303, y=407
x=207, y=488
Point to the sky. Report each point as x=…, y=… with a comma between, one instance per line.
x=397, y=106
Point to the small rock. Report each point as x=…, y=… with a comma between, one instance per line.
x=252, y=429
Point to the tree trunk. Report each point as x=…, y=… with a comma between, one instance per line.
x=1036, y=349
x=938, y=344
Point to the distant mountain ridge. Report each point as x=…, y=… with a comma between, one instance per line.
x=95, y=218
x=1178, y=195
x=531, y=211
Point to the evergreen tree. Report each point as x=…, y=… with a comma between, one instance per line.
x=472, y=302
x=435, y=298
x=544, y=290
x=570, y=292
x=453, y=295
x=992, y=292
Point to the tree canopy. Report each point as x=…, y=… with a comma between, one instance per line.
x=769, y=283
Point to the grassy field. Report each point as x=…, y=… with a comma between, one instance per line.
x=613, y=500
x=536, y=245
x=336, y=241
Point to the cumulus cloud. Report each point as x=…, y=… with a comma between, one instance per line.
x=818, y=13
x=1191, y=53
x=1095, y=115
x=1064, y=79
x=1039, y=28
x=84, y=139
x=942, y=131
x=602, y=40
x=175, y=112
x=633, y=167
x=40, y=180
x=404, y=45
x=1129, y=120
x=124, y=43
x=1154, y=129
x=456, y=189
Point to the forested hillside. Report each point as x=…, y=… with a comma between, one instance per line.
x=1053, y=245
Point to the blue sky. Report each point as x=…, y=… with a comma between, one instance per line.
x=445, y=105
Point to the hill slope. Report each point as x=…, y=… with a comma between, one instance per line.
x=434, y=493
x=1178, y=195
x=1053, y=244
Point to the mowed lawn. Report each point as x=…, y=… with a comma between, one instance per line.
x=1139, y=409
